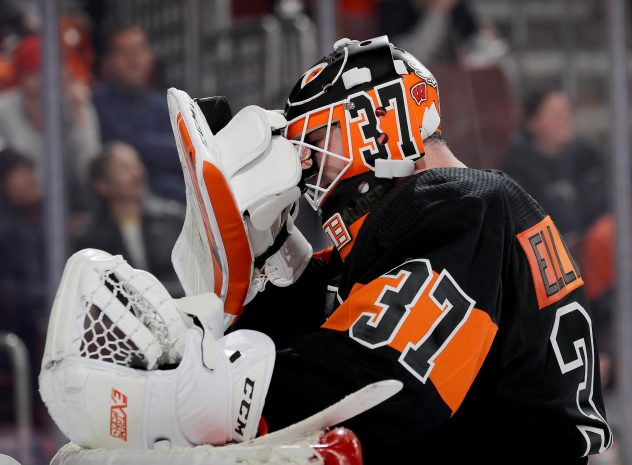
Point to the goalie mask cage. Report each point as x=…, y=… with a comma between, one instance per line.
x=338, y=446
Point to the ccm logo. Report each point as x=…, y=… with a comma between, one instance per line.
x=244, y=407
x=118, y=415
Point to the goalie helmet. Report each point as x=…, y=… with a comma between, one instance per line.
x=372, y=106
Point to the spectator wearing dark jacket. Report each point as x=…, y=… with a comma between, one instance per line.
x=22, y=266
x=23, y=309
x=129, y=221
x=564, y=173
x=131, y=111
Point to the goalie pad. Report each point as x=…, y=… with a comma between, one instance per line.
x=238, y=183
x=123, y=367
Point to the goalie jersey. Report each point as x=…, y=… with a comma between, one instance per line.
x=459, y=285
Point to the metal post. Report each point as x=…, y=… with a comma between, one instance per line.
x=326, y=22
x=21, y=392
x=221, y=19
x=305, y=33
x=520, y=40
x=620, y=123
x=192, y=39
x=569, y=45
x=54, y=204
x=272, y=65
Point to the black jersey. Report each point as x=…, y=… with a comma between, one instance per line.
x=459, y=285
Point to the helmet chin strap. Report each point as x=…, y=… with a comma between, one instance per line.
x=394, y=168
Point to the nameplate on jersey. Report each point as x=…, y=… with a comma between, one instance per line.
x=553, y=270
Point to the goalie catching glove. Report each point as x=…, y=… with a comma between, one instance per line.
x=241, y=180
x=125, y=365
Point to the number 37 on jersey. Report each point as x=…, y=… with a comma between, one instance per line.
x=425, y=316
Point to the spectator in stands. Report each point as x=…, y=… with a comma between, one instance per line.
x=129, y=221
x=564, y=173
x=24, y=308
x=22, y=267
x=131, y=111
x=21, y=119
x=79, y=53
x=14, y=24
x=441, y=30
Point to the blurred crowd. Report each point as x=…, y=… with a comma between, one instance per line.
x=123, y=184
x=123, y=180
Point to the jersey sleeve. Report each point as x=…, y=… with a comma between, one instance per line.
x=429, y=320
x=283, y=312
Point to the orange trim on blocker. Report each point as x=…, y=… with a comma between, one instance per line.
x=187, y=144
x=552, y=268
x=458, y=363
x=231, y=228
x=234, y=236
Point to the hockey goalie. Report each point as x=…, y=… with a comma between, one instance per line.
x=127, y=366
x=450, y=282
x=116, y=336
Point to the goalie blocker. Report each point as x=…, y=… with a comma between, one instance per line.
x=241, y=188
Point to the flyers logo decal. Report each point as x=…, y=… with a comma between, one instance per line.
x=118, y=415
x=419, y=92
x=337, y=231
x=312, y=74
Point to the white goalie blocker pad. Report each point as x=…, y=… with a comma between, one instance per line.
x=124, y=367
x=242, y=171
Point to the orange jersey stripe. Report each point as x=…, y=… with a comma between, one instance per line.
x=324, y=254
x=353, y=230
x=458, y=363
